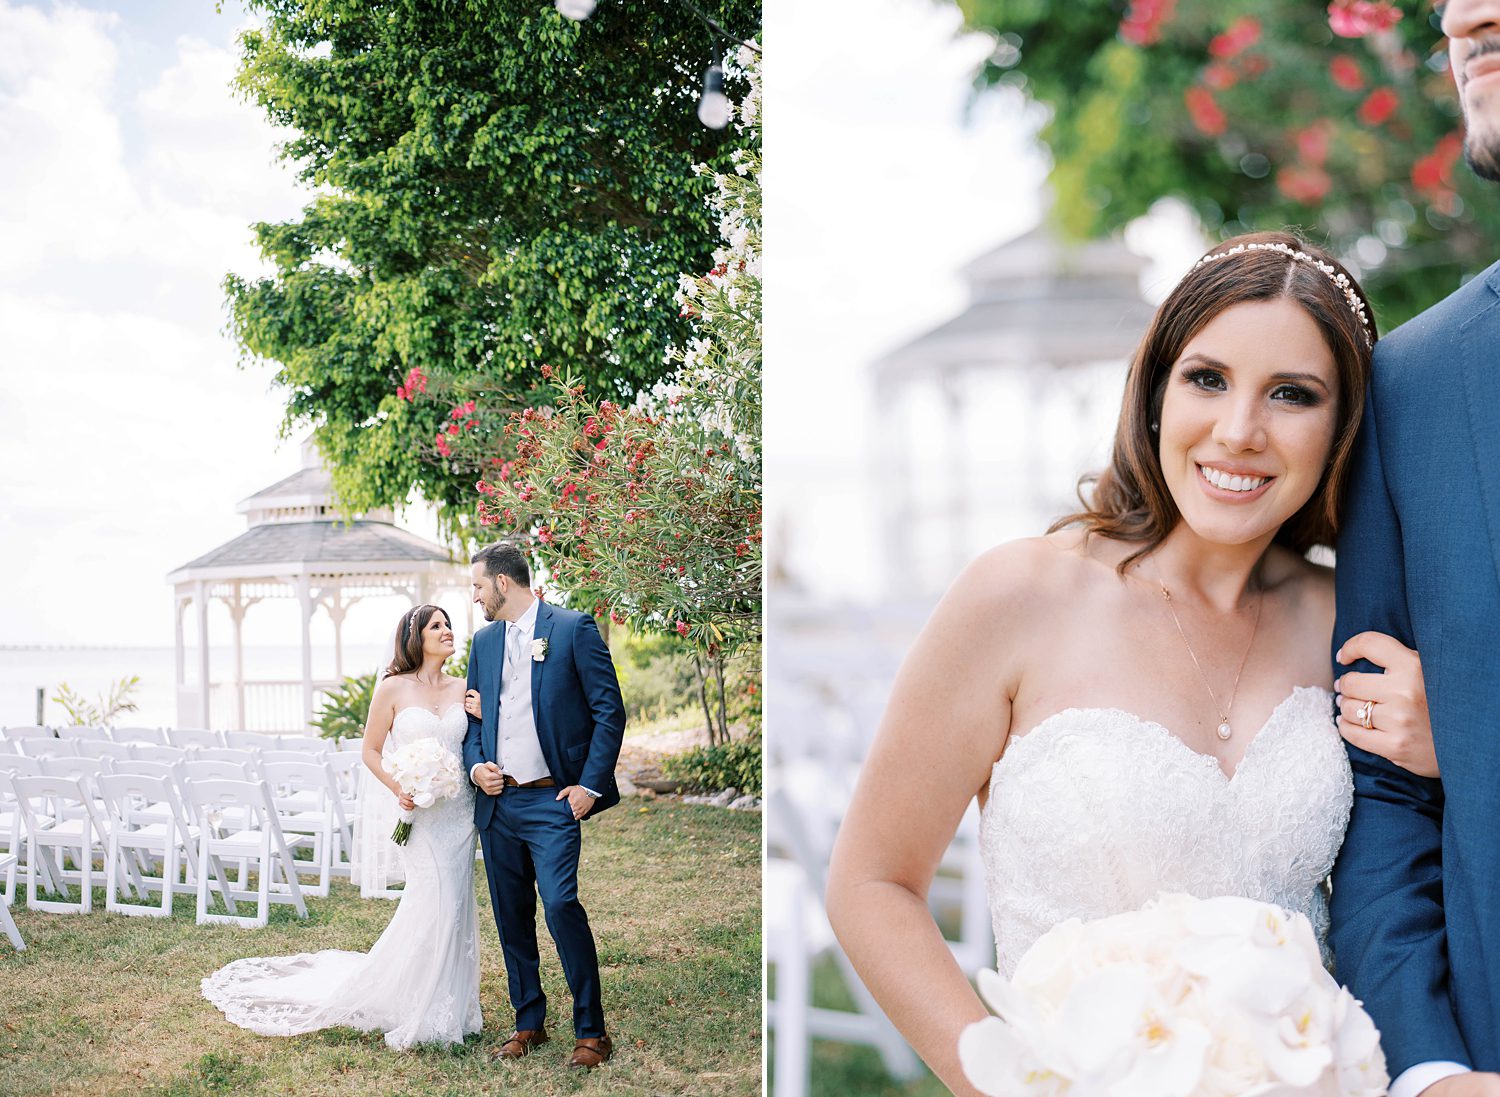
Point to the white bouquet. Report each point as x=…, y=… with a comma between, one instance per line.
x=428, y=772
x=1219, y=997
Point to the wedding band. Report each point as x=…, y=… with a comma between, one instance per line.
x=1365, y=715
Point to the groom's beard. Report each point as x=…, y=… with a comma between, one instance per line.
x=493, y=607
x=1482, y=136
x=1483, y=156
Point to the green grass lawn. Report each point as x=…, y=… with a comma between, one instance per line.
x=107, y=1004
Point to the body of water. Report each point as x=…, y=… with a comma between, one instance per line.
x=92, y=671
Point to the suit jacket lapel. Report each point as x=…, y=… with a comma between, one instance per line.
x=542, y=631
x=491, y=701
x=1477, y=340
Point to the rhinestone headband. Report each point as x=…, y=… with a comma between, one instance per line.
x=1356, y=305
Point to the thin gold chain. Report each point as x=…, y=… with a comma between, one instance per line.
x=1223, y=712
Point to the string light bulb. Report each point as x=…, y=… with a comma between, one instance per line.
x=577, y=10
x=713, y=107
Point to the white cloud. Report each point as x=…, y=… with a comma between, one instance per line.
x=127, y=433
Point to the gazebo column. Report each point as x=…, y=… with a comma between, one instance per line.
x=950, y=386
x=200, y=595
x=179, y=607
x=237, y=613
x=305, y=601
x=337, y=608
x=894, y=472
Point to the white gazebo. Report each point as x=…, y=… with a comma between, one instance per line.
x=298, y=547
x=986, y=421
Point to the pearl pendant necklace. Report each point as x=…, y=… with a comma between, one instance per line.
x=1224, y=731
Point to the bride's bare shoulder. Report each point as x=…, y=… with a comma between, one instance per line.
x=1029, y=576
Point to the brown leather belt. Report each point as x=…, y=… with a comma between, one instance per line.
x=540, y=782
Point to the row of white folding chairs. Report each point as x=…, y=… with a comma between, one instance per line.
x=304, y=796
x=335, y=777
x=168, y=737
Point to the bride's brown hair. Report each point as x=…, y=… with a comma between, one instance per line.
x=1130, y=500
x=408, y=654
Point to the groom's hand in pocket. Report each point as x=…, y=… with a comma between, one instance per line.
x=578, y=800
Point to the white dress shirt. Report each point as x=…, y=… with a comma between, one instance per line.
x=1414, y=1079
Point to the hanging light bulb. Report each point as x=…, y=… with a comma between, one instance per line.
x=713, y=107
x=577, y=10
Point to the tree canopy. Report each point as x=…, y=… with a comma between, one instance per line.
x=1342, y=120
x=498, y=187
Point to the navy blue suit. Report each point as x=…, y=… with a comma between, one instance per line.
x=530, y=839
x=1416, y=890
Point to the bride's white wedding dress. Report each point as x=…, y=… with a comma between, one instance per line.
x=419, y=983
x=1096, y=811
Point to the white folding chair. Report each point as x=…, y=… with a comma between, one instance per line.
x=249, y=740
x=214, y=769
x=237, y=820
x=74, y=827
x=157, y=736
x=49, y=748
x=345, y=768
x=84, y=731
x=26, y=731
x=792, y=831
x=789, y=952
x=250, y=758
x=104, y=748
x=136, y=840
x=7, y=923
x=12, y=823
x=302, y=744
x=158, y=752
x=194, y=737
x=306, y=801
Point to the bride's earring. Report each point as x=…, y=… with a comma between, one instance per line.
x=1155, y=427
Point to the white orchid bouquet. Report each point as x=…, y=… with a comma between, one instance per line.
x=428, y=772
x=1223, y=997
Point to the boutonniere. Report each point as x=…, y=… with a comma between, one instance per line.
x=539, y=650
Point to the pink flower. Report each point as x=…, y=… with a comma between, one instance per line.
x=1243, y=33
x=1143, y=22
x=1379, y=105
x=1357, y=18
x=682, y=628
x=1345, y=73
x=1205, y=112
x=1304, y=184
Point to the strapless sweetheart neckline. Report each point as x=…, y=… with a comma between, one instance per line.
x=1059, y=720
x=423, y=708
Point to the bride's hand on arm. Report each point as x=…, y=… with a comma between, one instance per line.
x=1401, y=728
x=945, y=724
x=377, y=727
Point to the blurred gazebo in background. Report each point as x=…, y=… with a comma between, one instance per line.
x=297, y=547
x=987, y=419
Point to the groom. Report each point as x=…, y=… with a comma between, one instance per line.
x=1416, y=891
x=545, y=724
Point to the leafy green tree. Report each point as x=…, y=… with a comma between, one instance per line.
x=1341, y=119
x=498, y=187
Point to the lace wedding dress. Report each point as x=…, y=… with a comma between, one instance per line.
x=419, y=983
x=1096, y=811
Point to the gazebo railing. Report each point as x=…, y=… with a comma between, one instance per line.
x=270, y=705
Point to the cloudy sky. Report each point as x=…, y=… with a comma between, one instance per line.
x=127, y=430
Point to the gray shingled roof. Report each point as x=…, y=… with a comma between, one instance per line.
x=320, y=542
x=314, y=481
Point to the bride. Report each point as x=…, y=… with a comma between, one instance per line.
x=419, y=983
x=1141, y=700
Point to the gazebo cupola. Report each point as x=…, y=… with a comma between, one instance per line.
x=296, y=546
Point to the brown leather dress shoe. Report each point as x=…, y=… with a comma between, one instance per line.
x=590, y=1051
x=521, y=1043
